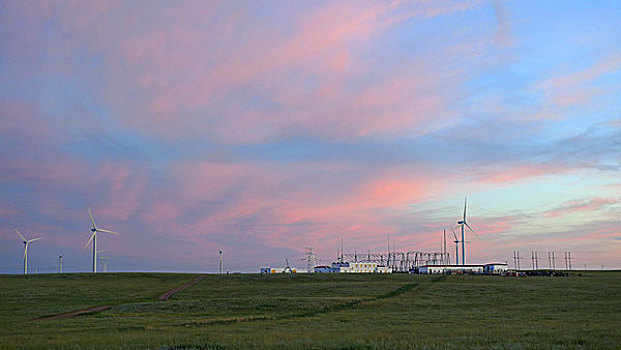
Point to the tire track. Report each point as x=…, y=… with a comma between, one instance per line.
x=325, y=310
x=167, y=295
x=91, y=310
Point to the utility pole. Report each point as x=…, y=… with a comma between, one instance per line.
x=569, y=259
x=388, y=256
x=518, y=258
x=566, y=265
x=220, y=251
x=444, y=261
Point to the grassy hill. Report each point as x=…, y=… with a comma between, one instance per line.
x=313, y=312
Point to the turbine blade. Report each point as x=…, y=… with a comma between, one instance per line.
x=107, y=231
x=89, y=241
x=454, y=235
x=92, y=220
x=471, y=230
x=465, y=203
x=34, y=239
x=25, y=251
x=22, y=236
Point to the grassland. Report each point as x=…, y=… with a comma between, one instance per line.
x=313, y=312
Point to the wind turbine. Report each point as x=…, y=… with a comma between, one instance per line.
x=456, y=247
x=220, y=251
x=463, y=223
x=60, y=262
x=26, y=242
x=94, y=239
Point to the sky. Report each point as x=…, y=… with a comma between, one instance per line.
x=264, y=127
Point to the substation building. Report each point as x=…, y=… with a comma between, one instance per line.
x=472, y=269
x=336, y=267
x=356, y=267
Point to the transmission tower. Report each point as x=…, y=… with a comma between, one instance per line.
x=311, y=260
x=105, y=260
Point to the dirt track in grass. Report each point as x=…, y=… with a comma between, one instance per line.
x=167, y=295
x=76, y=313
x=90, y=310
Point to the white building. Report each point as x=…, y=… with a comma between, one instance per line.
x=488, y=269
x=451, y=269
x=359, y=267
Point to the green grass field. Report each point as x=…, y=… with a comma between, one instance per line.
x=313, y=312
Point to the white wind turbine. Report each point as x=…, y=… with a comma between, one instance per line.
x=456, y=246
x=26, y=242
x=93, y=238
x=463, y=224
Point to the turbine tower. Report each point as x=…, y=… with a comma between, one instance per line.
x=93, y=238
x=26, y=242
x=60, y=262
x=220, y=251
x=463, y=223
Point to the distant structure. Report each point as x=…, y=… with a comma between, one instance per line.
x=516, y=259
x=220, y=251
x=26, y=243
x=456, y=241
x=489, y=269
x=60, y=263
x=105, y=260
x=568, y=261
x=353, y=267
x=311, y=260
x=535, y=260
x=93, y=238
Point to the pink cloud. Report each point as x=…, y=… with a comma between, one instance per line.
x=576, y=88
x=580, y=206
x=516, y=173
x=317, y=47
